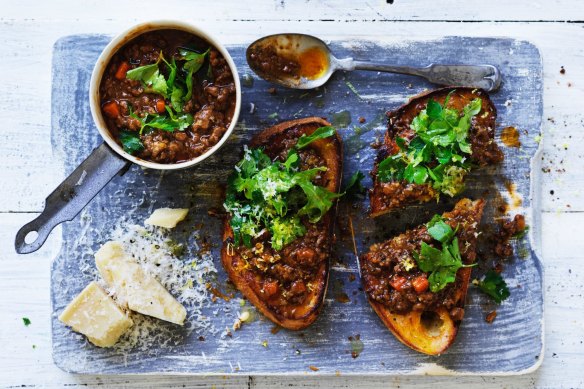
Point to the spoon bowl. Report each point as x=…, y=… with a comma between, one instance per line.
x=297, y=61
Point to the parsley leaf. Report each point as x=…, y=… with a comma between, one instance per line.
x=150, y=77
x=194, y=62
x=169, y=123
x=441, y=264
x=437, y=154
x=130, y=141
x=26, y=321
x=495, y=286
x=319, y=133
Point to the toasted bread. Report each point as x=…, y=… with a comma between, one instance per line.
x=308, y=255
x=425, y=321
x=386, y=196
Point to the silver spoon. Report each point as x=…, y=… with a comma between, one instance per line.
x=301, y=48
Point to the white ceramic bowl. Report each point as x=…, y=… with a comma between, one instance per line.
x=103, y=61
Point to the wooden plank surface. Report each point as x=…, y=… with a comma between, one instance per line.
x=307, y=10
x=28, y=31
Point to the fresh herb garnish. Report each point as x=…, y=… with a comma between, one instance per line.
x=172, y=122
x=172, y=88
x=319, y=133
x=354, y=186
x=26, y=321
x=130, y=141
x=265, y=195
x=438, y=152
x=150, y=77
x=495, y=286
x=443, y=264
x=194, y=61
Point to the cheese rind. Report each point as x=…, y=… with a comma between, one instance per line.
x=95, y=314
x=167, y=217
x=135, y=288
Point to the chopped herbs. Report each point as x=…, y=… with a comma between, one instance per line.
x=130, y=141
x=441, y=264
x=177, y=87
x=150, y=77
x=169, y=123
x=26, y=321
x=495, y=286
x=273, y=196
x=438, y=152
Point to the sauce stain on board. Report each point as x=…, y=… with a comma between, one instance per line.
x=515, y=198
x=510, y=137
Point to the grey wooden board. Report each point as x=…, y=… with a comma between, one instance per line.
x=512, y=344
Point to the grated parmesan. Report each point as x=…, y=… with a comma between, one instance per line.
x=185, y=278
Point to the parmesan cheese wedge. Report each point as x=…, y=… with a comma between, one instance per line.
x=135, y=288
x=95, y=314
x=167, y=217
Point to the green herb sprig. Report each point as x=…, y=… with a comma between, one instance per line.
x=438, y=153
x=495, y=286
x=177, y=87
x=441, y=264
x=271, y=195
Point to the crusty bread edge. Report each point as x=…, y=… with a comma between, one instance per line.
x=317, y=296
x=450, y=328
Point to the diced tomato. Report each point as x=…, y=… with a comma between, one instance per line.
x=420, y=284
x=398, y=283
x=122, y=70
x=160, y=106
x=111, y=109
x=270, y=288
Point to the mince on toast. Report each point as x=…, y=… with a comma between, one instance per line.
x=417, y=282
x=430, y=145
x=280, y=204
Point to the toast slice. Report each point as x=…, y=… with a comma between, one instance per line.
x=288, y=284
x=389, y=193
x=402, y=294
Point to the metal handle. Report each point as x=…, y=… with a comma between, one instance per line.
x=71, y=196
x=486, y=77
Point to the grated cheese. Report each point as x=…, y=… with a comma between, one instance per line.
x=185, y=278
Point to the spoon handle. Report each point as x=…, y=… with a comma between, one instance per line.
x=486, y=77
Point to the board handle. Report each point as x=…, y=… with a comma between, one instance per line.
x=71, y=196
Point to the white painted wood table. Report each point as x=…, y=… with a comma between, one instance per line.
x=28, y=30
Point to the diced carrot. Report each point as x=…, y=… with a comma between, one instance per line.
x=270, y=288
x=160, y=106
x=111, y=109
x=122, y=70
x=420, y=284
x=398, y=283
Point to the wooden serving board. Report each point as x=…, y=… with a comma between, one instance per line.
x=512, y=344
